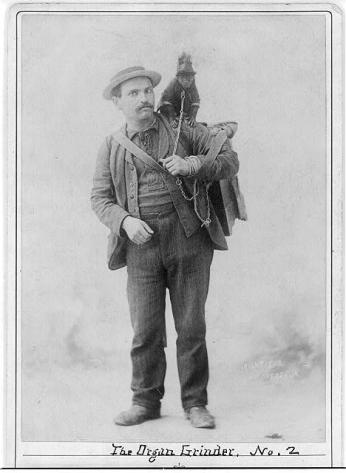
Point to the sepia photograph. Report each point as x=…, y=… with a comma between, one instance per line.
x=172, y=186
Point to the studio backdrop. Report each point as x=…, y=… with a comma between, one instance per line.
x=266, y=309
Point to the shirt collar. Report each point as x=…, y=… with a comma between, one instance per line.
x=132, y=133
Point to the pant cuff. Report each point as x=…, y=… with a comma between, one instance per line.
x=188, y=406
x=147, y=405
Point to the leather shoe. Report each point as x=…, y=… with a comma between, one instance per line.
x=200, y=417
x=136, y=415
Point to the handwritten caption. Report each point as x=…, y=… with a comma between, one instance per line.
x=186, y=450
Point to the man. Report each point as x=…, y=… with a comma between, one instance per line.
x=165, y=230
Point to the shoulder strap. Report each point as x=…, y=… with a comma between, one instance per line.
x=215, y=147
x=124, y=141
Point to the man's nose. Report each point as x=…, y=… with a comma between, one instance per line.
x=142, y=96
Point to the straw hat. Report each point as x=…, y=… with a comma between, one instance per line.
x=130, y=73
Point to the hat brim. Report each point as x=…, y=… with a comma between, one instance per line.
x=155, y=78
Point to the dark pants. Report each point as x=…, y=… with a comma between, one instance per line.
x=169, y=260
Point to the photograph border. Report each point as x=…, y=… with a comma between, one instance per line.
x=336, y=205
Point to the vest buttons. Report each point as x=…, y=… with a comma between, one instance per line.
x=132, y=196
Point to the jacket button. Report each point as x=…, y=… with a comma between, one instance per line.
x=132, y=196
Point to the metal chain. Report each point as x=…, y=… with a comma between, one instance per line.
x=182, y=96
x=205, y=222
x=179, y=183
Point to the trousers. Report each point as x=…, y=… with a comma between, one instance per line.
x=169, y=260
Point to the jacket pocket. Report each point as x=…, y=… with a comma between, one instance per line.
x=116, y=251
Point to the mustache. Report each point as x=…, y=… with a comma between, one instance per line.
x=145, y=105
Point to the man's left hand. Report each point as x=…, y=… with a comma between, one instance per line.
x=176, y=165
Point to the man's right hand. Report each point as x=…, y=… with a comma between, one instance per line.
x=138, y=231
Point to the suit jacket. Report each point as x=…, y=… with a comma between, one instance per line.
x=115, y=188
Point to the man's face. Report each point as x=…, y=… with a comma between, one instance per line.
x=185, y=80
x=137, y=99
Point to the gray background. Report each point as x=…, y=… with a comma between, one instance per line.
x=266, y=306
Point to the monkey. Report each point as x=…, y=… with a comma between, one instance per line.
x=183, y=83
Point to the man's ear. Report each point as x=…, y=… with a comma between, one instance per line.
x=116, y=101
